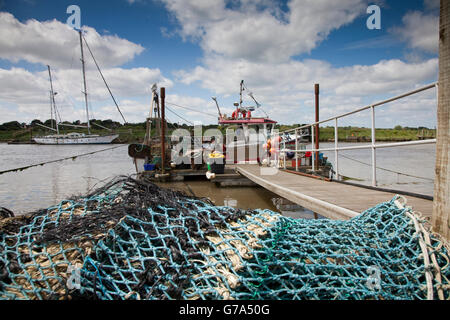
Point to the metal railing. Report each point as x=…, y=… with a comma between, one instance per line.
x=373, y=146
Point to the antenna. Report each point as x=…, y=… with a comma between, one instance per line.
x=154, y=98
x=215, y=100
x=240, y=93
x=251, y=96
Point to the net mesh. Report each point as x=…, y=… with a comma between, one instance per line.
x=133, y=240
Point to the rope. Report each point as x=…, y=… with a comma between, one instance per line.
x=53, y=161
x=400, y=173
x=179, y=115
x=191, y=109
x=104, y=80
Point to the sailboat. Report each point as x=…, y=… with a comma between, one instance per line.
x=74, y=137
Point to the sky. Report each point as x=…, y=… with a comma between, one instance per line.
x=198, y=49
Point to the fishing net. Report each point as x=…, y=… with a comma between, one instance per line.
x=133, y=240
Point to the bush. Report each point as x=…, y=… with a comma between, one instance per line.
x=12, y=125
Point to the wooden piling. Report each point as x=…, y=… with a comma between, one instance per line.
x=163, y=130
x=316, y=131
x=441, y=205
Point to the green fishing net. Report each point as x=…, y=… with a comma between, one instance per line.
x=131, y=239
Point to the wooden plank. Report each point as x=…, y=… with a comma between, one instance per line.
x=330, y=199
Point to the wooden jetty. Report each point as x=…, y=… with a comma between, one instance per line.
x=332, y=200
x=230, y=178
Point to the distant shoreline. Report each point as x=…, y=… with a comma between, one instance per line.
x=134, y=133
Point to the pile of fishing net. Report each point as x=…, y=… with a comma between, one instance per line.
x=133, y=240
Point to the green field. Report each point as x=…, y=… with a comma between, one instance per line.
x=134, y=133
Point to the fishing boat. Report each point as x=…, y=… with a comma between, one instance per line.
x=246, y=142
x=74, y=137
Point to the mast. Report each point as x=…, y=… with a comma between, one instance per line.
x=240, y=93
x=52, y=101
x=84, y=82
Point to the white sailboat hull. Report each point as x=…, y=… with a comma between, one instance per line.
x=86, y=139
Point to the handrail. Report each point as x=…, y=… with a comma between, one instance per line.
x=372, y=145
x=377, y=104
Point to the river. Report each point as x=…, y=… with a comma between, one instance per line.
x=43, y=186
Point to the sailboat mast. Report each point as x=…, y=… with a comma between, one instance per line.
x=52, y=101
x=84, y=82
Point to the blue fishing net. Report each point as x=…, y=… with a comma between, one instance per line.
x=133, y=240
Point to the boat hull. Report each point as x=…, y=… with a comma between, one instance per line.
x=76, y=140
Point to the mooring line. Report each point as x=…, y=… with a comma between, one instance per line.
x=388, y=170
x=63, y=159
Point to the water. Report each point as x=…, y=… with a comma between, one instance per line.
x=43, y=186
x=418, y=161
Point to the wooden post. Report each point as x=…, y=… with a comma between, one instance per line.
x=163, y=129
x=316, y=93
x=441, y=205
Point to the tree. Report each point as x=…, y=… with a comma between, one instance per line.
x=35, y=122
x=12, y=125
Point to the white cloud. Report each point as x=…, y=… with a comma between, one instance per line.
x=56, y=44
x=137, y=111
x=30, y=91
x=259, y=30
x=420, y=31
x=258, y=44
x=123, y=82
x=286, y=88
x=20, y=84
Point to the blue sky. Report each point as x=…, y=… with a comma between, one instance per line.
x=199, y=49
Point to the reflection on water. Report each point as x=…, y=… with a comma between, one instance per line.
x=237, y=197
x=241, y=197
x=43, y=186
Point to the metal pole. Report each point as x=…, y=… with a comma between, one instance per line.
x=51, y=110
x=285, y=153
x=374, y=152
x=313, y=148
x=316, y=93
x=163, y=129
x=336, y=142
x=52, y=100
x=84, y=82
x=296, y=150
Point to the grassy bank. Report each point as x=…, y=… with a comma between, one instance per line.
x=355, y=134
x=364, y=134
x=134, y=133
